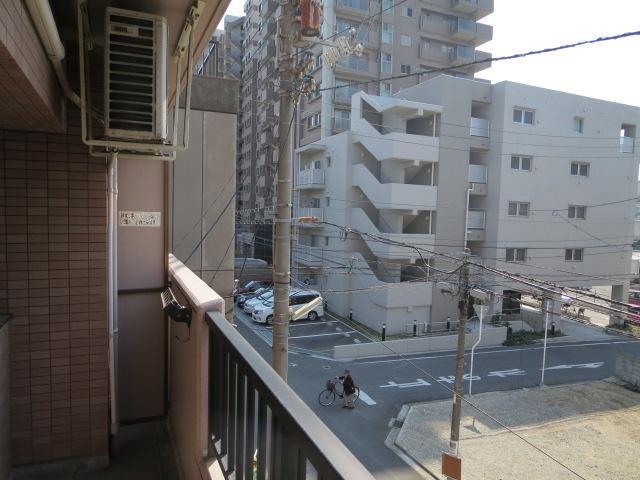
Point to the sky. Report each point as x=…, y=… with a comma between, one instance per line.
x=609, y=71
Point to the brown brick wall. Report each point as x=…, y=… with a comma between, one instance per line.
x=53, y=230
x=29, y=94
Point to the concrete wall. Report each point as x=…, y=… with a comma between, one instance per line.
x=189, y=370
x=203, y=181
x=628, y=369
x=5, y=421
x=490, y=337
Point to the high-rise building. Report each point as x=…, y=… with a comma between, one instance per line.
x=533, y=181
x=397, y=38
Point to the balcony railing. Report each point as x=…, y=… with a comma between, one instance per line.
x=479, y=127
x=476, y=219
x=308, y=178
x=258, y=427
x=627, y=144
x=477, y=173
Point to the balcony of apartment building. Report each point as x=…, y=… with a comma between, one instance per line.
x=310, y=177
x=477, y=8
x=396, y=130
x=361, y=66
x=478, y=179
x=267, y=49
x=307, y=252
x=353, y=8
x=471, y=31
x=461, y=54
x=476, y=224
x=479, y=126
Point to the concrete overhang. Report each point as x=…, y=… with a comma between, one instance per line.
x=311, y=148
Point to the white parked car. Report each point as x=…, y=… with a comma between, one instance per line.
x=250, y=304
x=263, y=313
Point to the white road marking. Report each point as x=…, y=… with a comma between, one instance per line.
x=451, y=378
x=366, y=398
x=577, y=365
x=446, y=355
x=507, y=373
x=355, y=340
x=338, y=329
x=418, y=383
x=304, y=324
x=323, y=334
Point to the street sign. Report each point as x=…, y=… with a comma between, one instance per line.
x=480, y=309
x=451, y=466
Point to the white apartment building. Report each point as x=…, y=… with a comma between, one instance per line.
x=533, y=181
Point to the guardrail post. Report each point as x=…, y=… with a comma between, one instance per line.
x=384, y=331
x=415, y=328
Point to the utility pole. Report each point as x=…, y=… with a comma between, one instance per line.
x=282, y=231
x=463, y=306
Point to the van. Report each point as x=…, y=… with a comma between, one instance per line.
x=297, y=298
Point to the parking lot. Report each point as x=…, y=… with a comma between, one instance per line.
x=317, y=337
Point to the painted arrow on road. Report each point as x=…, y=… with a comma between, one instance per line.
x=418, y=383
x=577, y=365
x=507, y=373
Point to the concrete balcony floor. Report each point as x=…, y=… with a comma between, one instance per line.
x=145, y=454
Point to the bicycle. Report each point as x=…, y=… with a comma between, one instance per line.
x=334, y=389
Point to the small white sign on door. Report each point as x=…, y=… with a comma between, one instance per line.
x=139, y=219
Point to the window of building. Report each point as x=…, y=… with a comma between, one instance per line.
x=404, y=68
x=407, y=12
x=385, y=89
x=578, y=124
x=580, y=169
x=328, y=162
x=519, y=162
x=342, y=119
x=313, y=120
x=387, y=6
x=523, y=115
x=326, y=241
x=518, y=209
x=386, y=65
x=405, y=40
x=328, y=201
x=387, y=32
x=574, y=254
x=318, y=61
x=577, y=211
x=516, y=254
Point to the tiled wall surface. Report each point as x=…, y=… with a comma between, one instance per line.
x=53, y=273
x=29, y=92
x=5, y=438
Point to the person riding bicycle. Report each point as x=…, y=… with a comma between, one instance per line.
x=349, y=388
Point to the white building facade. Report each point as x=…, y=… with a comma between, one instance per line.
x=530, y=180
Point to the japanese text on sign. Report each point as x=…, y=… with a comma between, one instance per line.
x=139, y=219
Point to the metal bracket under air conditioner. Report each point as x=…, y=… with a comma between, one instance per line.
x=131, y=149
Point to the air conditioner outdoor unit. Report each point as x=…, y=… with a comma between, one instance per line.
x=135, y=98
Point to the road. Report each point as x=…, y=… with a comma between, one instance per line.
x=391, y=382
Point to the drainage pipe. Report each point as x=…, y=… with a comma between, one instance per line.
x=45, y=24
x=112, y=291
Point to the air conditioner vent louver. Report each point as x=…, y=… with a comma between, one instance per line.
x=135, y=75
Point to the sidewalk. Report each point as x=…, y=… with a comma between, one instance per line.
x=592, y=428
